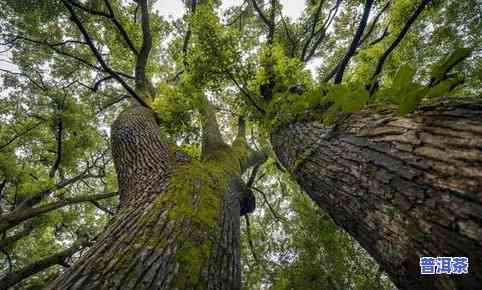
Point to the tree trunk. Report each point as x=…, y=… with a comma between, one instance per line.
x=402, y=187
x=178, y=222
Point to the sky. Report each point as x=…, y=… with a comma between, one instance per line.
x=175, y=8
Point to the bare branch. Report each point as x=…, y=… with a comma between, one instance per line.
x=245, y=92
x=88, y=9
x=30, y=79
x=99, y=82
x=109, y=16
x=110, y=104
x=37, y=197
x=238, y=17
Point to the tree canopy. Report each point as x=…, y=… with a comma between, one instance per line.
x=69, y=67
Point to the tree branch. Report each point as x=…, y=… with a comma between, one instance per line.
x=143, y=56
x=59, y=152
x=316, y=18
x=17, y=216
x=251, y=157
x=395, y=43
x=34, y=82
x=37, y=197
x=374, y=23
x=271, y=209
x=99, y=57
x=261, y=14
x=26, y=131
x=111, y=17
x=54, y=47
x=9, y=259
x=355, y=43
x=377, y=40
x=245, y=92
x=119, y=27
x=101, y=207
x=13, y=278
x=321, y=33
x=8, y=241
x=292, y=41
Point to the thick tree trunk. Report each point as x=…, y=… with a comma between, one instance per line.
x=403, y=187
x=170, y=231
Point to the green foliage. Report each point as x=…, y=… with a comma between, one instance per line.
x=175, y=111
x=348, y=98
x=407, y=93
x=440, y=70
x=299, y=247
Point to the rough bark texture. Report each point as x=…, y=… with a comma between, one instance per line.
x=404, y=187
x=151, y=244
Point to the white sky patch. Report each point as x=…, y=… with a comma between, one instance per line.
x=175, y=8
x=313, y=66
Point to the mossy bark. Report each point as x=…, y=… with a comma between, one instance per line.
x=404, y=187
x=177, y=226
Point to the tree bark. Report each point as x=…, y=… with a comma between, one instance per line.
x=160, y=238
x=403, y=187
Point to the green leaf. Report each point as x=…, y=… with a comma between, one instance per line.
x=411, y=100
x=440, y=69
x=442, y=88
x=355, y=99
x=404, y=77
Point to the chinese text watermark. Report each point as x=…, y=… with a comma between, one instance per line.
x=444, y=265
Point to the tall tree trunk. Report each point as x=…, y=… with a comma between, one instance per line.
x=178, y=222
x=403, y=187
